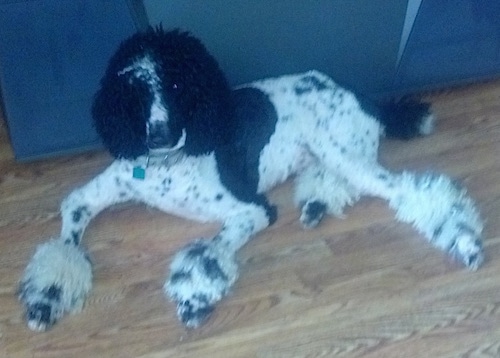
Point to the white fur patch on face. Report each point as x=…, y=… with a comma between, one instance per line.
x=144, y=69
x=158, y=112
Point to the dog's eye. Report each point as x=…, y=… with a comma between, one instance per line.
x=174, y=86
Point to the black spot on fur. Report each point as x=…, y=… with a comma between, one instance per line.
x=167, y=181
x=437, y=232
x=458, y=208
x=40, y=312
x=213, y=269
x=192, y=316
x=75, y=235
x=166, y=184
x=79, y=212
x=77, y=215
x=219, y=197
x=301, y=90
x=180, y=276
x=382, y=177
x=247, y=228
x=201, y=298
x=53, y=293
x=129, y=187
x=197, y=249
x=472, y=259
x=308, y=84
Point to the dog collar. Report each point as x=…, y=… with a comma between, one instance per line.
x=155, y=161
x=165, y=158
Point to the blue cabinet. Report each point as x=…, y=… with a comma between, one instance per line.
x=451, y=42
x=52, y=55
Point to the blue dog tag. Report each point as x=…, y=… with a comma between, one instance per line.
x=139, y=173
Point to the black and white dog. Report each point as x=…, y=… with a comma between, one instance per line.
x=187, y=144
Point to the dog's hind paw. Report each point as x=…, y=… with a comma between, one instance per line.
x=201, y=275
x=57, y=280
x=312, y=213
x=469, y=250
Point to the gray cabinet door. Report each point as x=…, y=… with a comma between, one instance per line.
x=354, y=41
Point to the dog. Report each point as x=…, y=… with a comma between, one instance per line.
x=186, y=143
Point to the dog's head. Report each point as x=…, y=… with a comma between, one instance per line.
x=162, y=91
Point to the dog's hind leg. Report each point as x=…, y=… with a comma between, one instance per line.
x=319, y=191
x=203, y=272
x=59, y=276
x=347, y=145
x=432, y=203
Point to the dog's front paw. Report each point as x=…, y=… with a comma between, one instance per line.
x=201, y=275
x=57, y=280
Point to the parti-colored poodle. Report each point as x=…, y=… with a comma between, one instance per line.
x=186, y=143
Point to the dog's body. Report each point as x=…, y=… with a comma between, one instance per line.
x=213, y=156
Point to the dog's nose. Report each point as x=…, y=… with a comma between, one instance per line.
x=158, y=136
x=157, y=141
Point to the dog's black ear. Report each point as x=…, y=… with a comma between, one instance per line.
x=120, y=111
x=210, y=124
x=202, y=97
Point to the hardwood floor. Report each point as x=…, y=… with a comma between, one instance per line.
x=365, y=286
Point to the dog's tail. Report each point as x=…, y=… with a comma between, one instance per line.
x=404, y=118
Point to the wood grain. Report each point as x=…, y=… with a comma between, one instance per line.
x=365, y=286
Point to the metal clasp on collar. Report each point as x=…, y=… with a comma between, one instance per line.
x=139, y=171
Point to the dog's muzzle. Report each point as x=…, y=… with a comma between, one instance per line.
x=157, y=141
x=160, y=137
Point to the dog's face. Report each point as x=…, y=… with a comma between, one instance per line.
x=162, y=91
x=136, y=113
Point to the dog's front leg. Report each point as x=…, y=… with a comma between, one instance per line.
x=203, y=272
x=59, y=276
